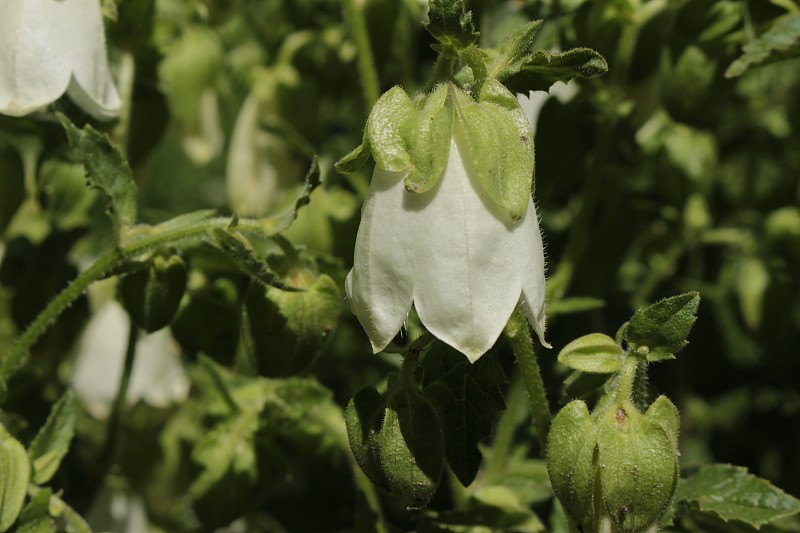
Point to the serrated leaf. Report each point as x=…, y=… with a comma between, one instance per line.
x=15, y=470
x=106, y=170
x=236, y=248
x=52, y=442
x=595, y=353
x=468, y=399
x=273, y=226
x=499, y=145
x=513, y=49
x=450, y=24
x=659, y=331
x=410, y=446
x=780, y=42
x=731, y=493
x=540, y=69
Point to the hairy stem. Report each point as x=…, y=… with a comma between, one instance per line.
x=519, y=334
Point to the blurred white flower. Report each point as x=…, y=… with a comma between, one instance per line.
x=453, y=252
x=49, y=47
x=158, y=377
x=260, y=166
x=118, y=511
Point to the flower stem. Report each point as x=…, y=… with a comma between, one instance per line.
x=118, y=408
x=443, y=68
x=504, y=434
x=366, y=63
x=519, y=334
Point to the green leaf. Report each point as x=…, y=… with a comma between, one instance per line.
x=595, y=353
x=427, y=134
x=450, y=24
x=499, y=145
x=780, y=42
x=731, y=493
x=511, y=53
x=410, y=444
x=573, y=304
x=15, y=470
x=468, y=399
x=236, y=248
x=291, y=329
x=571, y=459
x=659, y=331
x=106, y=170
x=539, y=70
x=52, y=442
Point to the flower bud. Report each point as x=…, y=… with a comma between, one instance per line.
x=616, y=464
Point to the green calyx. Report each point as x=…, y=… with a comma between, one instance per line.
x=615, y=464
x=413, y=137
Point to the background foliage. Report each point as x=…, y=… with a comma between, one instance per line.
x=677, y=171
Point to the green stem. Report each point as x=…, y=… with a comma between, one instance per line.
x=366, y=63
x=519, y=334
x=37, y=328
x=627, y=374
x=118, y=408
x=443, y=68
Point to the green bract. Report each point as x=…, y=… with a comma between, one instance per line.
x=413, y=137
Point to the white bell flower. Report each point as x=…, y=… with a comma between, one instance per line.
x=158, y=377
x=452, y=251
x=49, y=47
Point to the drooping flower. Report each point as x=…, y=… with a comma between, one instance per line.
x=463, y=258
x=49, y=47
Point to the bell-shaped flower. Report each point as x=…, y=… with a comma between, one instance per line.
x=456, y=234
x=49, y=47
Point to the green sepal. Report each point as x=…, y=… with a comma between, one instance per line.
x=450, y=24
x=356, y=159
x=663, y=412
x=52, y=441
x=476, y=59
x=384, y=131
x=595, y=353
x=538, y=70
x=427, y=134
x=571, y=460
x=499, y=145
x=659, y=331
x=363, y=418
x=639, y=468
x=15, y=471
x=410, y=446
x=152, y=295
x=106, y=170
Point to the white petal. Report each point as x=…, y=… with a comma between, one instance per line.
x=158, y=376
x=532, y=106
x=380, y=284
x=36, y=53
x=92, y=86
x=533, y=282
x=469, y=256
